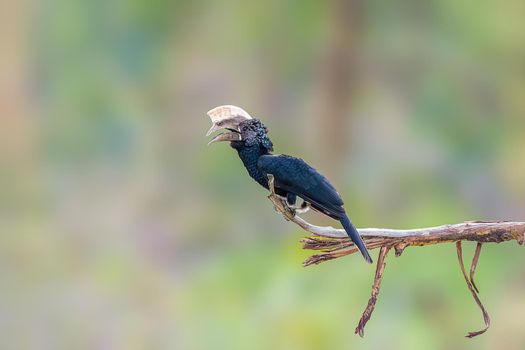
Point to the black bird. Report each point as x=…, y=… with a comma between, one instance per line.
x=292, y=176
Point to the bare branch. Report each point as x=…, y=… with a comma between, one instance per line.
x=334, y=243
x=481, y=232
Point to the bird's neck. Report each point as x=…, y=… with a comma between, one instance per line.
x=249, y=157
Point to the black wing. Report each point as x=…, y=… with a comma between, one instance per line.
x=295, y=176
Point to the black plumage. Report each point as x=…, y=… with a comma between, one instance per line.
x=293, y=176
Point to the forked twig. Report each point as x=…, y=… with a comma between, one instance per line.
x=471, y=287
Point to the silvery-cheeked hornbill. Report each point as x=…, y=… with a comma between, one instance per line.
x=292, y=176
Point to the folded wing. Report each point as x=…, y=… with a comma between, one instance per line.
x=295, y=176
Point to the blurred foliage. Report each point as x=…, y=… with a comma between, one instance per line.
x=122, y=230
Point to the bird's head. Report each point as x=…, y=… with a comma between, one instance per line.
x=242, y=129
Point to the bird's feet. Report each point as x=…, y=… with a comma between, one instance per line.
x=288, y=212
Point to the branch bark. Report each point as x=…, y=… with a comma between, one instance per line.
x=335, y=243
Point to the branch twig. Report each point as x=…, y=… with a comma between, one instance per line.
x=334, y=243
x=472, y=288
x=375, y=292
x=474, y=265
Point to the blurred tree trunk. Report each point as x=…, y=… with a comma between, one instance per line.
x=338, y=75
x=16, y=141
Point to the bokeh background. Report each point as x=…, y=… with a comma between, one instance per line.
x=121, y=229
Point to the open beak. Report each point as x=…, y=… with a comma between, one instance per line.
x=232, y=135
x=227, y=117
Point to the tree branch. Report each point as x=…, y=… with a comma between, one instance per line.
x=381, y=264
x=335, y=243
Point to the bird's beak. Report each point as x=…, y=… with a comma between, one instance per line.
x=226, y=136
x=227, y=117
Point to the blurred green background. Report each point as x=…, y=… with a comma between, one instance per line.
x=120, y=229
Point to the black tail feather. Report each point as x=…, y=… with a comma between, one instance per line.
x=355, y=237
